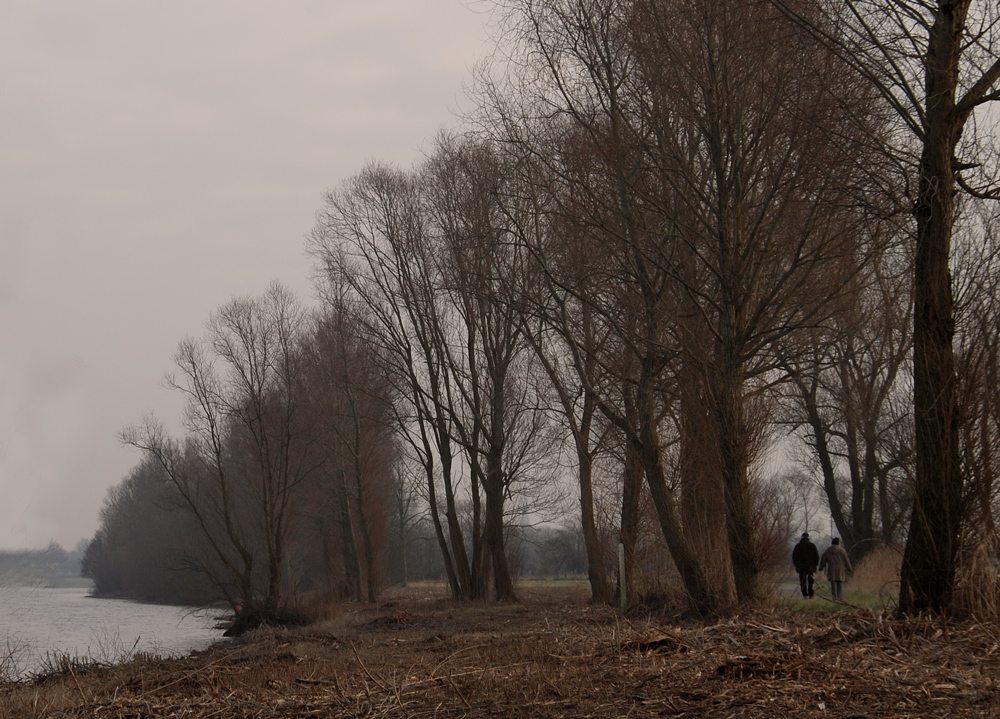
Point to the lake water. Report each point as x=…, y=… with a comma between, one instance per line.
x=37, y=623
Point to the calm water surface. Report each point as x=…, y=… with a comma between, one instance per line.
x=37, y=623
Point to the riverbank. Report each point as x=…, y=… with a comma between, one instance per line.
x=552, y=655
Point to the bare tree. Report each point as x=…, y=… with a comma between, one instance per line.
x=977, y=273
x=935, y=64
x=245, y=453
x=597, y=253
x=424, y=252
x=501, y=414
x=712, y=162
x=543, y=320
x=578, y=411
x=372, y=236
x=351, y=401
x=849, y=383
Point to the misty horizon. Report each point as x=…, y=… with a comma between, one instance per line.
x=161, y=160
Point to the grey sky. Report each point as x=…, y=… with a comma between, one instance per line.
x=156, y=159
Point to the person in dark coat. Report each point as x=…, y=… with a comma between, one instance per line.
x=837, y=564
x=805, y=557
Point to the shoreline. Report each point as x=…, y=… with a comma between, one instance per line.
x=45, y=629
x=548, y=657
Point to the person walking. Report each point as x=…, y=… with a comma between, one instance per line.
x=805, y=557
x=837, y=565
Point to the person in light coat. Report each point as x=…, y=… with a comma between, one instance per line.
x=837, y=565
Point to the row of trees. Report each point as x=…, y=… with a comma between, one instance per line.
x=289, y=480
x=279, y=482
x=672, y=237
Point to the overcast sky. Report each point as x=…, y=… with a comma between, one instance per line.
x=157, y=159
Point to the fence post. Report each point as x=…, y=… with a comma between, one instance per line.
x=622, y=583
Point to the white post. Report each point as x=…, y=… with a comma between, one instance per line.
x=622, y=583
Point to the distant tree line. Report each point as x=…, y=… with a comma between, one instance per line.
x=49, y=567
x=671, y=238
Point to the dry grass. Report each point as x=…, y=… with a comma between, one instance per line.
x=977, y=581
x=551, y=656
x=878, y=572
x=977, y=586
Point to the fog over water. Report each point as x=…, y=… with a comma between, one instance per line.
x=157, y=160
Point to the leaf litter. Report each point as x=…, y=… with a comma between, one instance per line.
x=545, y=658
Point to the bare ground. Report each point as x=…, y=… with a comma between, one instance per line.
x=550, y=656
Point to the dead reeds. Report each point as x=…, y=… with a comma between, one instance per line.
x=878, y=572
x=548, y=658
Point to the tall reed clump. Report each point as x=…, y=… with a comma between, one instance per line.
x=977, y=582
x=878, y=572
x=315, y=607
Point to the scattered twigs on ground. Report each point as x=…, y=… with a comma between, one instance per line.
x=552, y=659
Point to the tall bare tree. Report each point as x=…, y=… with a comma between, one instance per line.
x=936, y=65
x=720, y=159
x=372, y=236
x=246, y=451
x=501, y=418
x=426, y=253
x=977, y=276
x=350, y=400
x=849, y=386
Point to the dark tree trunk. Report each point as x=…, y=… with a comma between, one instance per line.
x=821, y=443
x=352, y=568
x=632, y=476
x=462, y=567
x=703, y=506
x=928, y=571
x=599, y=590
x=456, y=588
x=733, y=456
x=494, y=539
x=688, y=565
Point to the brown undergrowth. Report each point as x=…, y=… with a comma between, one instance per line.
x=550, y=656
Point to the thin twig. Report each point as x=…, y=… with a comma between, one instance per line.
x=459, y=692
x=69, y=665
x=379, y=684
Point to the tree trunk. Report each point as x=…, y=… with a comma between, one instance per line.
x=729, y=411
x=632, y=476
x=702, y=498
x=599, y=590
x=493, y=535
x=821, y=443
x=456, y=588
x=690, y=569
x=352, y=569
x=928, y=571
